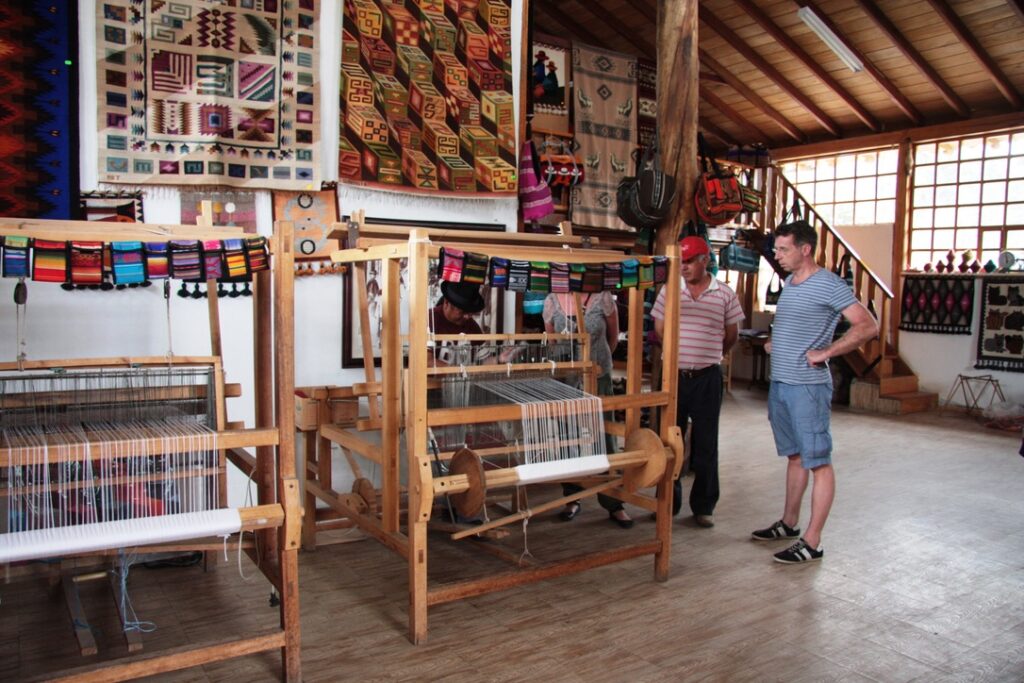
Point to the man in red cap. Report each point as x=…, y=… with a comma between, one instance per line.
x=709, y=316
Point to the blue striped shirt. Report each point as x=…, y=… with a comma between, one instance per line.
x=806, y=319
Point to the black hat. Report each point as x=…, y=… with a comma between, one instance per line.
x=463, y=295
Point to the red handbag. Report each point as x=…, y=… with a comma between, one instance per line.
x=717, y=199
x=560, y=167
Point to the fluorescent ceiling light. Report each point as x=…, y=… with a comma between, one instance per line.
x=830, y=39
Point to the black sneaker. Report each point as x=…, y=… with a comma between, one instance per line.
x=798, y=553
x=775, y=532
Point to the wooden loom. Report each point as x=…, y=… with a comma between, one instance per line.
x=276, y=519
x=398, y=400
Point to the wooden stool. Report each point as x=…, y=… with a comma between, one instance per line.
x=973, y=390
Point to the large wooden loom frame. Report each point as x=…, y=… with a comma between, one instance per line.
x=379, y=513
x=276, y=519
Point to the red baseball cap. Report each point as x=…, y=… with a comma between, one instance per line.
x=693, y=246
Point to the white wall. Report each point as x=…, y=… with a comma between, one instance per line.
x=82, y=324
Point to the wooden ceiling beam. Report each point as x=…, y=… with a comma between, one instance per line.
x=740, y=45
x=783, y=39
x=1018, y=7
x=608, y=19
x=711, y=128
x=914, y=57
x=755, y=134
x=964, y=35
x=648, y=12
x=710, y=78
x=552, y=10
x=898, y=98
x=751, y=96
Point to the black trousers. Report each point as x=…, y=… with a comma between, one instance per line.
x=700, y=400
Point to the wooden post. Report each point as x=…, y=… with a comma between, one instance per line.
x=634, y=354
x=391, y=380
x=263, y=383
x=900, y=238
x=670, y=385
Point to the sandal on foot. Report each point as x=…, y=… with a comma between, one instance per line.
x=571, y=510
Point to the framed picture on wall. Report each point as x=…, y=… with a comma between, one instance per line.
x=352, y=349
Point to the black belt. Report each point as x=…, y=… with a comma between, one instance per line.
x=697, y=372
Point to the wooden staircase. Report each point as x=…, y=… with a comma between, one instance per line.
x=884, y=382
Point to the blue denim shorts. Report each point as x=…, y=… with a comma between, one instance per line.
x=800, y=418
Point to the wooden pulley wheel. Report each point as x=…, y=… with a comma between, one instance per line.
x=641, y=476
x=363, y=488
x=469, y=503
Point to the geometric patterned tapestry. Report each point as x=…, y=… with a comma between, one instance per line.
x=943, y=304
x=426, y=97
x=119, y=206
x=605, y=85
x=204, y=92
x=1001, y=341
x=38, y=109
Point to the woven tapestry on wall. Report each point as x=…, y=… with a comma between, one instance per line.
x=312, y=214
x=230, y=207
x=200, y=92
x=550, y=80
x=116, y=206
x=943, y=304
x=38, y=109
x=646, y=101
x=1001, y=340
x=605, y=123
x=426, y=97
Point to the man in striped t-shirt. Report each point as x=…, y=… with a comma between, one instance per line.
x=709, y=315
x=800, y=399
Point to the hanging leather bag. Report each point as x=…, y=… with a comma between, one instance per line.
x=717, y=198
x=774, y=291
x=655, y=189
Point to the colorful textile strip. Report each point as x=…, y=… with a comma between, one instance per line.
x=185, y=261
x=660, y=269
x=49, y=261
x=450, y=263
x=593, y=278
x=499, y=272
x=560, y=278
x=612, y=275
x=157, y=267
x=540, y=276
x=16, y=263
x=257, y=253
x=234, y=259
x=86, y=263
x=576, y=271
x=213, y=259
x=645, y=273
x=129, y=263
x=475, y=269
x=630, y=276
x=519, y=276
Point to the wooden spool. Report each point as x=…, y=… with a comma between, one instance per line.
x=469, y=503
x=642, y=476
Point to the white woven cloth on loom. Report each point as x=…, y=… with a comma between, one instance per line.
x=84, y=538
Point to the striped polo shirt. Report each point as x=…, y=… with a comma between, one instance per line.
x=806, y=319
x=702, y=322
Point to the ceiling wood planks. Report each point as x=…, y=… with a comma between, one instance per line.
x=631, y=37
x=749, y=129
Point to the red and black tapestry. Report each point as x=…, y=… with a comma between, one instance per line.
x=112, y=206
x=942, y=304
x=426, y=97
x=1001, y=339
x=646, y=101
x=39, y=109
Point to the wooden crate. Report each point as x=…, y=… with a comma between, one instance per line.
x=449, y=70
x=418, y=169
x=495, y=174
x=496, y=13
x=477, y=141
x=382, y=163
x=356, y=86
x=349, y=48
x=437, y=32
x=485, y=75
x=390, y=91
x=367, y=124
x=407, y=133
x=426, y=101
x=473, y=40
x=348, y=160
x=463, y=106
x=440, y=139
x=414, y=64
x=378, y=55
x=401, y=25
x=366, y=17
x=455, y=174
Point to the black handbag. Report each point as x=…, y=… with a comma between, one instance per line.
x=774, y=291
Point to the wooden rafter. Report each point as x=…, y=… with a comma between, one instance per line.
x=751, y=96
x=634, y=38
x=964, y=35
x=575, y=29
x=1018, y=7
x=751, y=55
x=898, y=98
x=783, y=39
x=914, y=57
x=711, y=78
x=753, y=132
x=713, y=129
x=648, y=12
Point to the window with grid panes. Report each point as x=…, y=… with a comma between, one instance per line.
x=967, y=193
x=849, y=189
